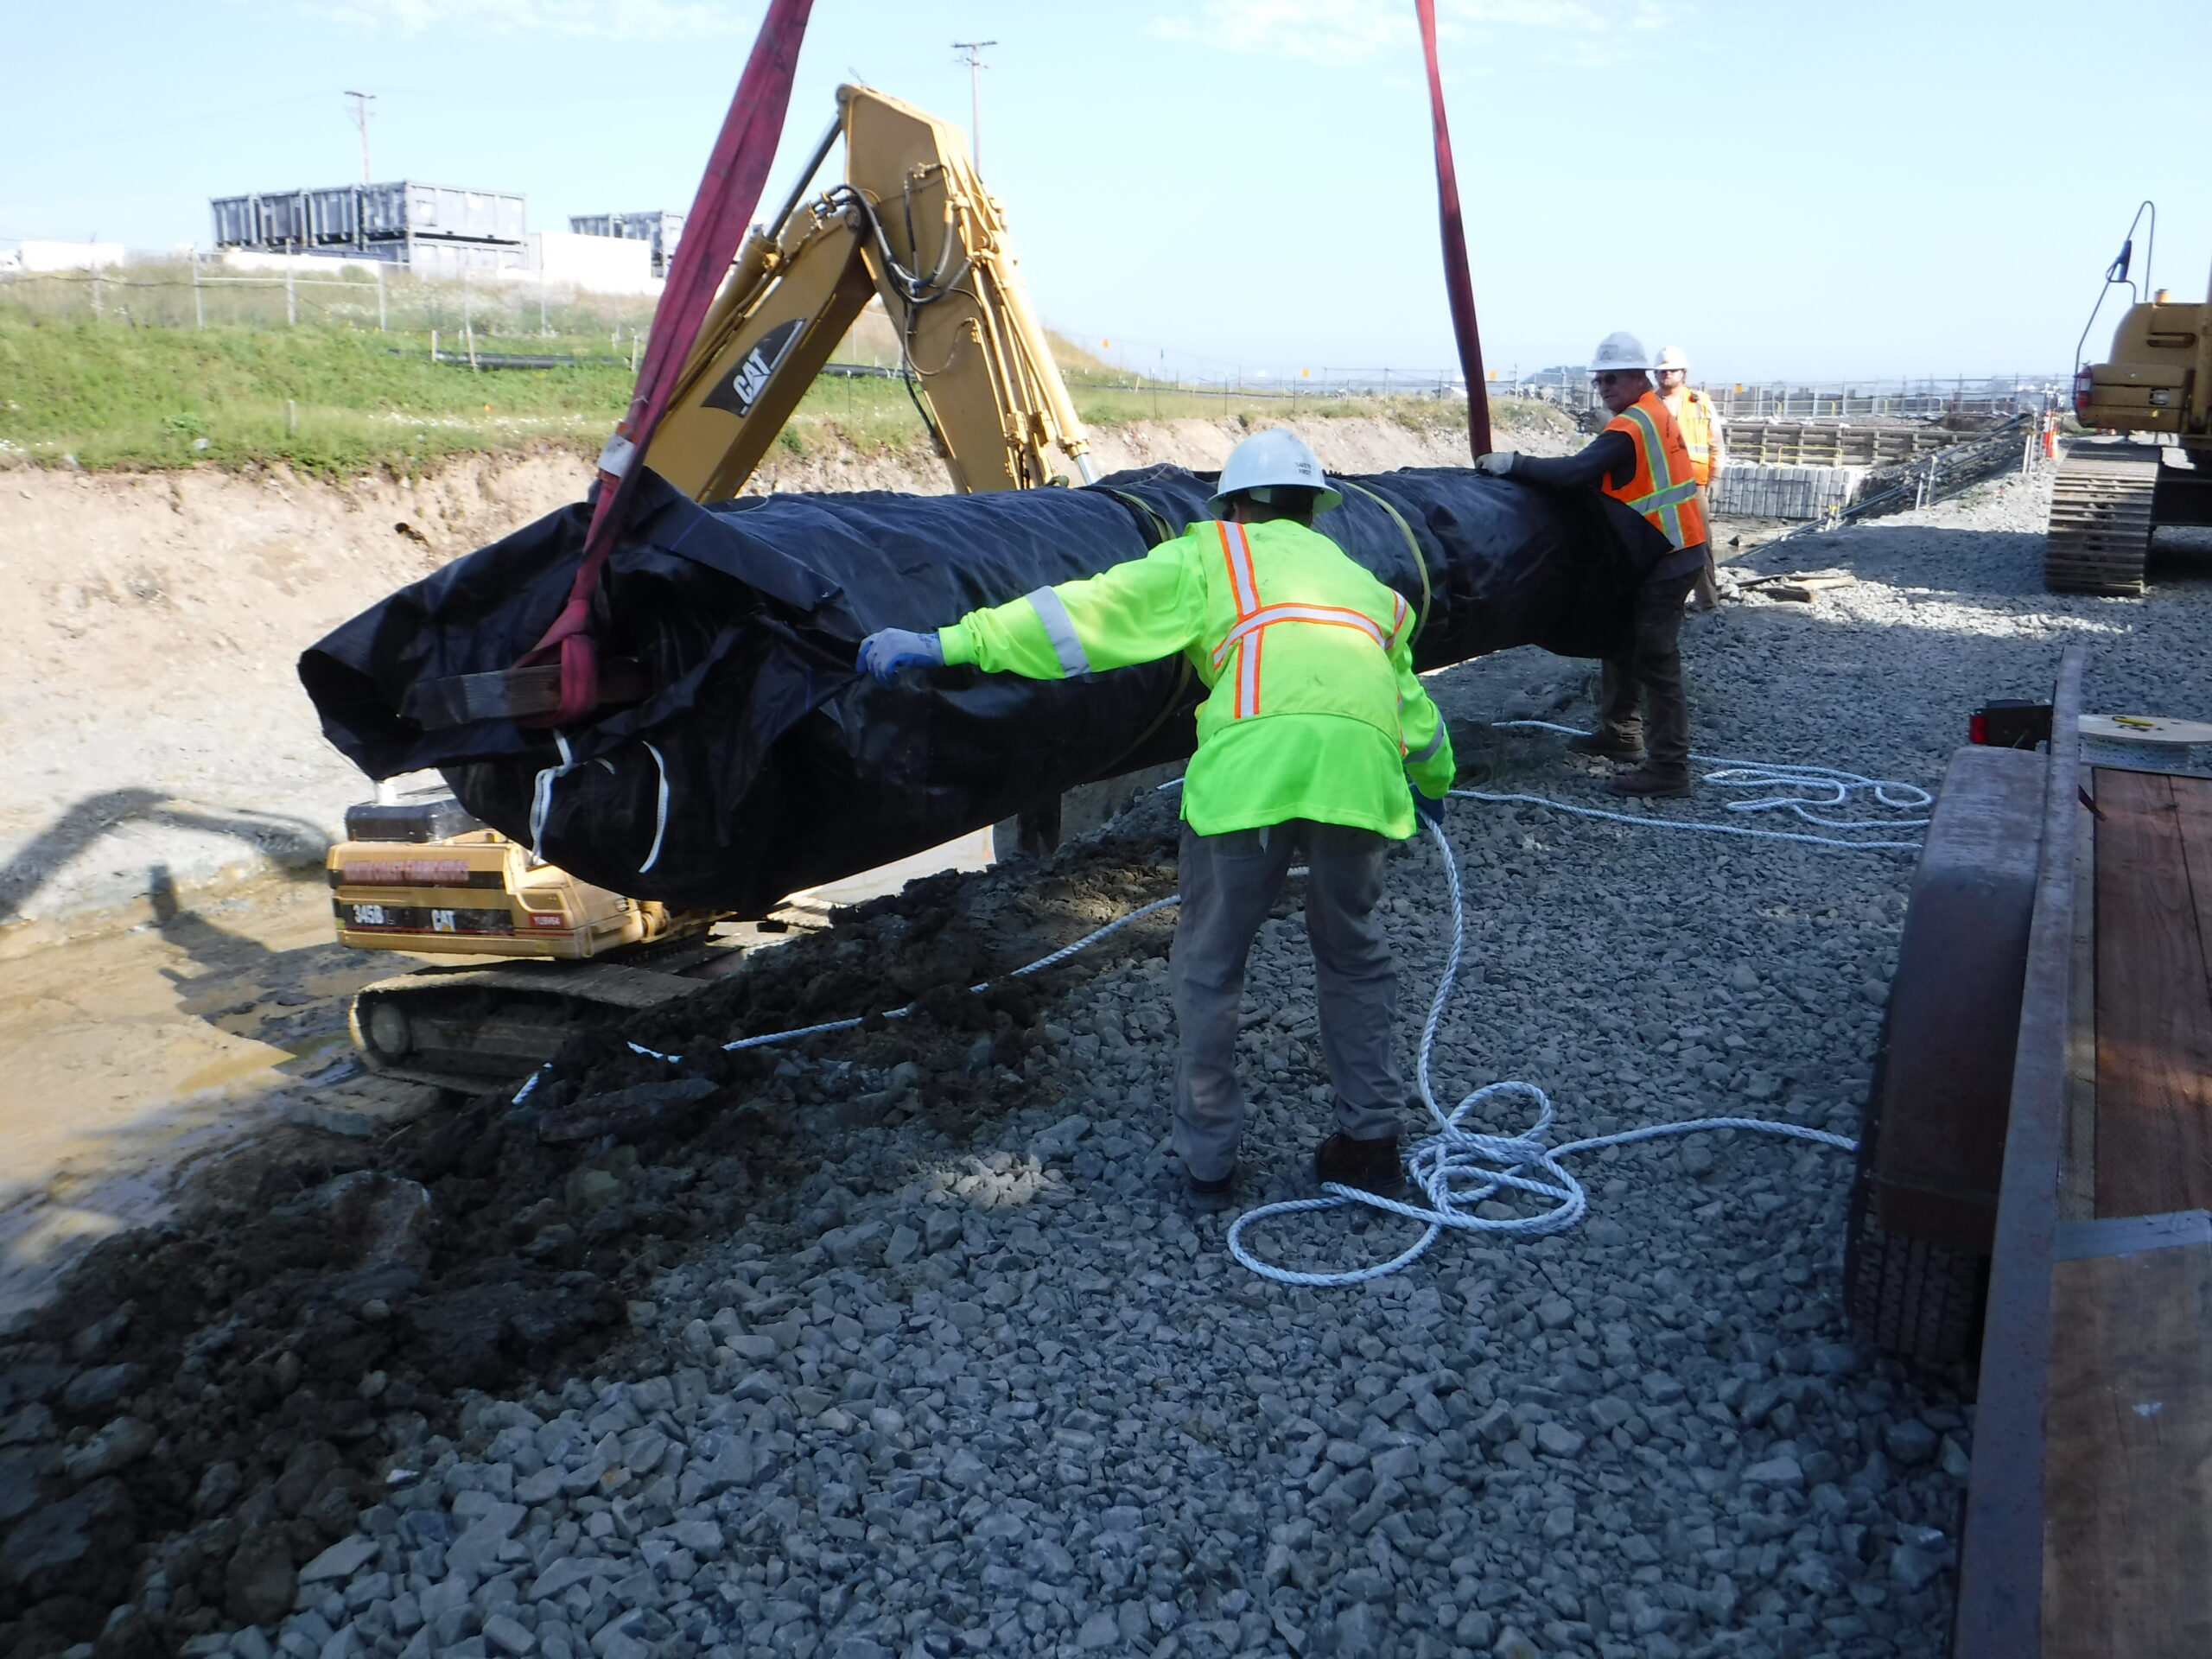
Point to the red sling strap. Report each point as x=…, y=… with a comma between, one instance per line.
x=1458, y=284
x=728, y=195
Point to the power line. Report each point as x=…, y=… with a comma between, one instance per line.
x=361, y=101
x=972, y=55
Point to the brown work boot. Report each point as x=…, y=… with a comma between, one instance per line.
x=1609, y=744
x=1370, y=1165
x=1652, y=780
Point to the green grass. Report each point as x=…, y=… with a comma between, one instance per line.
x=115, y=396
x=106, y=393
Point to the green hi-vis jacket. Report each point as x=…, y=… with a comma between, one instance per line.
x=1314, y=711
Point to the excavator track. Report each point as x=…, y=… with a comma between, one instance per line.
x=2100, y=520
x=474, y=1029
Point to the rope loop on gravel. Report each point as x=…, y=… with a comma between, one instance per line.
x=1816, y=789
x=1458, y=1168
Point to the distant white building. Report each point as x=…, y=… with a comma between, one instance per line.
x=596, y=265
x=61, y=255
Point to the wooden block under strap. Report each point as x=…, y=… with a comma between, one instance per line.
x=515, y=693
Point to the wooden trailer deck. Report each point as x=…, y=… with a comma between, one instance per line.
x=2088, y=1527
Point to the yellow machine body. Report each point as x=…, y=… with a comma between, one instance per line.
x=2158, y=375
x=479, y=894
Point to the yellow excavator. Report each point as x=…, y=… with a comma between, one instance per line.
x=911, y=226
x=2110, y=496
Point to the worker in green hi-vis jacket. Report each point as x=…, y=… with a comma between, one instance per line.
x=1316, y=744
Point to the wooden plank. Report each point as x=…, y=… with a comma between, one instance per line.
x=2128, y=1470
x=2078, y=1178
x=2193, y=807
x=2000, y=1614
x=2154, y=1007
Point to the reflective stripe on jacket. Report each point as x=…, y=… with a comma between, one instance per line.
x=1313, y=710
x=1693, y=412
x=1664, y=489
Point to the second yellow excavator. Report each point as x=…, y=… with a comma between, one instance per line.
x=911, y=226
x=2109, y=497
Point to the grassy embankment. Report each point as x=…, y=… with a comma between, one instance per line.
x=337, y=400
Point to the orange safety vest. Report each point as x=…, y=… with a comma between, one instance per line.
x=1693, y=412
x=1664, y=488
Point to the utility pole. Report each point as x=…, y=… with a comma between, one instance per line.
x=361, y=119
x=972, y=55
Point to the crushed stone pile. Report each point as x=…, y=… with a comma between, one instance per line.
x=903, y=1342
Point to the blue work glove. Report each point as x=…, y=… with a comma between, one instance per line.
x=1430, y=811
x=884, y=652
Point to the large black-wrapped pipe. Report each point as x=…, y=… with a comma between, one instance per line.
x=763, y=764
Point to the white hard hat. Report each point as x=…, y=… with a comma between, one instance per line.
x=1673, y=357
x=1619, y=351
x=1276, y=456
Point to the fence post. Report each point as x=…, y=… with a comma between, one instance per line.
x=380, y=270
x=434, y=345
x=291, y=301
x=199, y=309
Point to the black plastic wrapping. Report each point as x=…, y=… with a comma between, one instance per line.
x=763, y=764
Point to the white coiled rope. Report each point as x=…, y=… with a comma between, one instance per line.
x=1816, y=789
x=1458, y=1168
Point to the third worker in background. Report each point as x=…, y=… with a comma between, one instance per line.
x=1700, y=423
x=1641, y=459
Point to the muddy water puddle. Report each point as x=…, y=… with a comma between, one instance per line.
x=131, y=1059
x=199, y=1045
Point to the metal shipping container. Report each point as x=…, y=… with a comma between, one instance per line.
x=364, y=217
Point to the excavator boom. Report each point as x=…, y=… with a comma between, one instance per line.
x=912, y=225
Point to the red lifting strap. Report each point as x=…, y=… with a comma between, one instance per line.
x=1458, y=284
x=720, y=213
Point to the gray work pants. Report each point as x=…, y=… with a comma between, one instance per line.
x=1229, y=884
x=1652, y=671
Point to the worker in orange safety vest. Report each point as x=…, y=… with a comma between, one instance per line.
x=1641, y=459
x=1701, y=435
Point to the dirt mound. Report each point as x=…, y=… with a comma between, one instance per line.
x=209, y=1405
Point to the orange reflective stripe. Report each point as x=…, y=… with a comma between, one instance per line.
x=1335, y=615
x=1236, y=554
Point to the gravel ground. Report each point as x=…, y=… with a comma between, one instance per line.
x=944, y=1364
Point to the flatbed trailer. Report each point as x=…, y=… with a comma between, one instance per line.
x=2087, y=1528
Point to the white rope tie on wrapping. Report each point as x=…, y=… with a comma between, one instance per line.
x=660, y=810
x=1458, y=1168
x=541, y=794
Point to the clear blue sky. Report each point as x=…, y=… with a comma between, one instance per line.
x=1869, y=187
